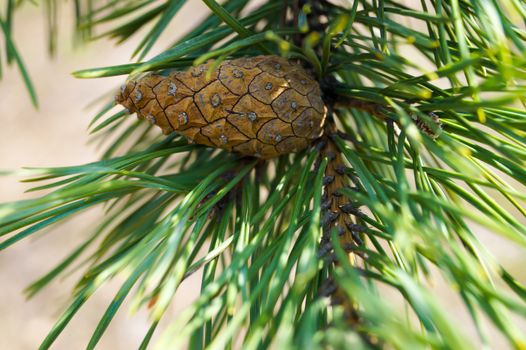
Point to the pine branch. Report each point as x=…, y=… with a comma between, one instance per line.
x=424, y=137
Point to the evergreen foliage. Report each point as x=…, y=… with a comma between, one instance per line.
x=425, y=137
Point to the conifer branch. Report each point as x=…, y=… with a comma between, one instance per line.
x=423, y=140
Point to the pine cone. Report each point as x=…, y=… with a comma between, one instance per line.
x=260, y=106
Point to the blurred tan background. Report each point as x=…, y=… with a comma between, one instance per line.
x=55, y=135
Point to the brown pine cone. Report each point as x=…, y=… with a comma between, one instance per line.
x=261, y=106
